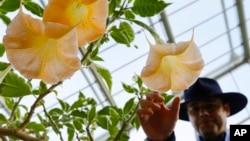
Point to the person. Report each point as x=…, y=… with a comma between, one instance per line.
x=205, y=106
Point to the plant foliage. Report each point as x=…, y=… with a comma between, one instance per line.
x=81, y=118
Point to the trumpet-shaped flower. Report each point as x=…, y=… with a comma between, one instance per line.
x=172, y=66
x=46, y=51
x=89, y=16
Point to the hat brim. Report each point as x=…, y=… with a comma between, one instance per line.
x=237, y=102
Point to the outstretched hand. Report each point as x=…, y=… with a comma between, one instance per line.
x=157, y=120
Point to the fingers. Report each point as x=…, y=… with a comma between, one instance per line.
x=145, y=104
x=155, y=97
x=176, y=105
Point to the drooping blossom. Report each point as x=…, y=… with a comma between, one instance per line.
x=172, y=66
x=89, y=16
x=42, y=50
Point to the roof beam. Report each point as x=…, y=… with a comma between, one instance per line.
x=243, y=28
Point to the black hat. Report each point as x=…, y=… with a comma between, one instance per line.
x=206, y=87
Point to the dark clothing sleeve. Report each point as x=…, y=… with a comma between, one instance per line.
x=171, y=138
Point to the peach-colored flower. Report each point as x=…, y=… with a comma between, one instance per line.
x=172, y=66
x=41, y=50
x=89, y=16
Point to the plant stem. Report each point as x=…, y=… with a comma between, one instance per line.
x=13, y=111
x=33, y=107
x=89, y=134
x=18, y=134
x=125, y=124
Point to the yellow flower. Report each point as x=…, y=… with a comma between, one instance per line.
x=46, y=51
x=172, y=66
x=89, y=16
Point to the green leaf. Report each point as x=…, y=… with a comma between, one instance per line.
x=35, y=127
x=135, y=122
x=5, y=19
x=14, y=86
x=42, y=87
x=56, y=112
x=10, y=5
x=148, y=8
x=34, y=8
x=114, y=117
x=124, y=34
x=167, y=97
x=112, y=6
x=64, y=105
x=78, y=113
x=3, y=119
x=91, y=114
x=129, y=14
x=129, y=88
x=71, y=134
x=102, y=121
x=2, y=50
x=106, y=75
x=104, y=111
x=128, y=106
x=78, y=125
x=4, y=73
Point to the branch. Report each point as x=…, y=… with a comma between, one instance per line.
x=88, y=133
x=125, y=124
x=13, y=111
x=53, y=124
x=18, y=134
x=33, y=107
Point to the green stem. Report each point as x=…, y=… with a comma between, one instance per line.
x=33, y=107
x=148, y=28
x=54, y=126
x=125, y=125
x=13, y=111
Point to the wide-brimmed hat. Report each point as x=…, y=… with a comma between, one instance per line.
x=206, y=87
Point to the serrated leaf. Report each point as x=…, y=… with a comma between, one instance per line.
x=35, y=127
x=14, y=86
x=148, y=8
x=10, y=5
x=124, y=34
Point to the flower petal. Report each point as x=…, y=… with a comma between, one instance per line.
x=47, y=51
x=172, y=66
x=89, y=16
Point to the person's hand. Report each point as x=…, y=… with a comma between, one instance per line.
x=157, y=120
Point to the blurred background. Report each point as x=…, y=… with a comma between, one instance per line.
x=221, y=31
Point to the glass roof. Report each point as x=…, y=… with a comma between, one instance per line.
x=222, y=32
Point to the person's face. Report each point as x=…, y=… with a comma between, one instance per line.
x=208, y=116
